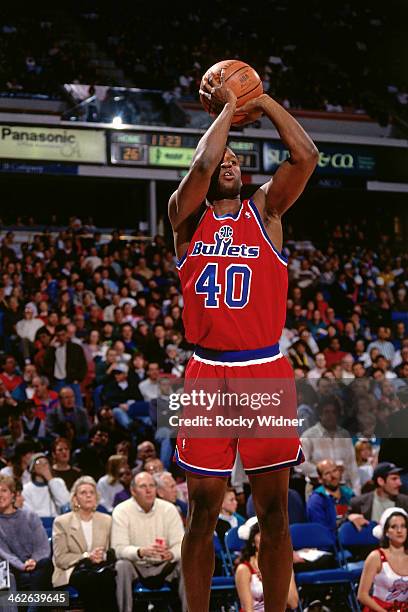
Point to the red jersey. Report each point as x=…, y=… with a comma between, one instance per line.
x=234, y=283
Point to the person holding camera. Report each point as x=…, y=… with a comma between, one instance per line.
x=81, y=554
x=45, y=494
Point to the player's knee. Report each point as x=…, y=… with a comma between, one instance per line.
x=273, y=518
x=202, y=520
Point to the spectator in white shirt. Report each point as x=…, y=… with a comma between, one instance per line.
x=44, y=495
x=26, y=329
x=146, y=534
x=326, y=440
x=315, y=373
x=347, y=374
x=383, y=344
x=110, y=484
x=149, y=387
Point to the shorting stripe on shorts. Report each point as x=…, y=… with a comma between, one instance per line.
x=277, y=466
x=200, y=470
x=237, y=358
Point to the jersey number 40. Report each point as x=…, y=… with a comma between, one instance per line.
x=235, y=286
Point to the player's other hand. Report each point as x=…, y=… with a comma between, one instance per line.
x=213, y=87
x=253, y=107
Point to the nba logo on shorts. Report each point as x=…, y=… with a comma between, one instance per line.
x=225, y=232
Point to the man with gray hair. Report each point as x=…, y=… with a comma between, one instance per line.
x=146, y=534
x=167, y=490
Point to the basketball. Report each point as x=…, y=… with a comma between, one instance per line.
x=244, y=82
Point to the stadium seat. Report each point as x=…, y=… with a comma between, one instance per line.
x=350, y=538
x=47, y=522
x=138, y=409
x=97, y=397
x=225, y=584
x=233, y=545
x=315, y=535
x=150, y=595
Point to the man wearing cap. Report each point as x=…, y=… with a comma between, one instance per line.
x=120, y=393
x=394, y=448
x=370, y=506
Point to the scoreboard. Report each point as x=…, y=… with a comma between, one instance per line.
x=173, y=150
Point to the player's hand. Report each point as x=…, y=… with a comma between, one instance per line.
x=213, y=87
x=253, y=108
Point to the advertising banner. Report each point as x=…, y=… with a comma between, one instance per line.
x=345, y=160
x=52, y=144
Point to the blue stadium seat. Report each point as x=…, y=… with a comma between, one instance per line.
x=349, y=537
x=97, y=397
x=315, y=535
x=47, y=522
x=220, y=553
x=225, y=584
x=150, y=596
x=233, y=545
x=138, y=409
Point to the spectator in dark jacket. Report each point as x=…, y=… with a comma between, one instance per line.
x=67, y=411
x=120, y=393
x=65, y=363
x=370, y=506
x=91, y=459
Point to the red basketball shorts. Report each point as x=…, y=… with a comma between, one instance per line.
x=215, y=456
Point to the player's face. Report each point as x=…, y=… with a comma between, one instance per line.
x=229, y=179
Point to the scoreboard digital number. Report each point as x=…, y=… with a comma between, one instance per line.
x=167, y=150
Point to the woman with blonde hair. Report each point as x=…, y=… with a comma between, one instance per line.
x=365, y=460
x=110, y=484
x=81, y=549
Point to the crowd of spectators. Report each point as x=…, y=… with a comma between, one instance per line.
x=92, y=337
x=346, y=68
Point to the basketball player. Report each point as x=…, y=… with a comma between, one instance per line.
x=236, y=336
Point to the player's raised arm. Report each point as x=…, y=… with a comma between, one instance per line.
x=289, y=181
x=194, y=187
